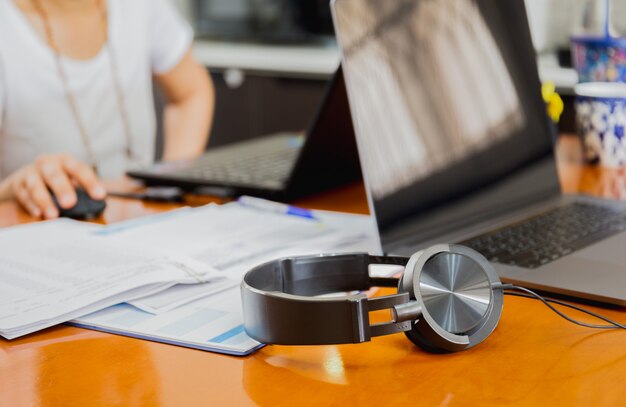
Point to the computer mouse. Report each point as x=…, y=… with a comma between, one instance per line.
x=86, y=207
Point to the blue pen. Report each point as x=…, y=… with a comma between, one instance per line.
x=275, y=207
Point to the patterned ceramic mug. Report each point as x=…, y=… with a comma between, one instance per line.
x=600, y=59
x=601, y=122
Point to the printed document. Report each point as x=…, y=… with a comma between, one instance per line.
x=54, y=271
x=213, y=323
x=233, y=238
x=172, y=277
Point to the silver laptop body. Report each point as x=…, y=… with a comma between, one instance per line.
x=455, y=144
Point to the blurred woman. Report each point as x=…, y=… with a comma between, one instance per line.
x=76, y=102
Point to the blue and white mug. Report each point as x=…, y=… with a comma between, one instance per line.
x=601, y=122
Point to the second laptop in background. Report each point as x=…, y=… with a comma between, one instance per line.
x=279, y=166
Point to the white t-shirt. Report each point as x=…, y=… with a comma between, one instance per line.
x=147, y=36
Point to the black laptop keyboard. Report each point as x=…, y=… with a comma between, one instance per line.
x=266, y=166
x=549, y=236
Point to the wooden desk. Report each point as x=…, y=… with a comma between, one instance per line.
x=533, y=357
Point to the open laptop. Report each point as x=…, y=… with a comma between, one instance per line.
x=456, y=146
x=279, y=166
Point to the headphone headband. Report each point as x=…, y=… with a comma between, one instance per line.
x=279, y=307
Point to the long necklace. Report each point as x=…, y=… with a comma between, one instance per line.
x=71, y=98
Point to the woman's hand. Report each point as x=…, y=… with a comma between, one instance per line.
x=56, y=174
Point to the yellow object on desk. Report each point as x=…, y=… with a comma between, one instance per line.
x=553, y=101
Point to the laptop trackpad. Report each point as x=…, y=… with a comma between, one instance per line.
x=609, y=251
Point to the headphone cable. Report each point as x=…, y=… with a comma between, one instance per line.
x=510, y=289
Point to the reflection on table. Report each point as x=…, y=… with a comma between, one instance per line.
x=595, y=180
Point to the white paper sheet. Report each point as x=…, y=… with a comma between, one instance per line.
x=213, y=323
x=180, y=294
x=233, y=238
x=54, y=271
x=243, y=243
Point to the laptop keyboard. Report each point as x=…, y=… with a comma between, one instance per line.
x=267, y=165
x=547, y=237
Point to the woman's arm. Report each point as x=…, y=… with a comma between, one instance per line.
x=188, y=113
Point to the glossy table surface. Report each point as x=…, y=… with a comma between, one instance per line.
x=532, y=358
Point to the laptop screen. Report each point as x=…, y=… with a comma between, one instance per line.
x=447, y=108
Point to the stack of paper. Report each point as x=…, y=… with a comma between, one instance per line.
x=232, y=239
x=171, y=277
x=52, y=272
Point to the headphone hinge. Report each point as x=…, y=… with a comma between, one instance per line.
x=361, y=321
x=388, y=302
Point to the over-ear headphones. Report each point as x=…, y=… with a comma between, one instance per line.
x=449, y=299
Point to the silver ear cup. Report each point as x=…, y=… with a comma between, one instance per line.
x=454, y=286
x=455, y=291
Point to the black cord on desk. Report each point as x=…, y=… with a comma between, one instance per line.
x=510, y=289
